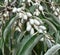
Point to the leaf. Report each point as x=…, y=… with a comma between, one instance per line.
x=50, y=24
x=57, y=35
x=20, y=36
x=28, y=45
x=53, y=50
x=1, y=43
x=8, y=27
x=54, y=18
x=25, y=39
x=49, y=43
x=32, y=9
x=55, y=23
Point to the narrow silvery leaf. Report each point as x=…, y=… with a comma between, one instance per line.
x=9, y=26
x=49, y=43
x=29, y=44
x=50, y=24
x=53, y=50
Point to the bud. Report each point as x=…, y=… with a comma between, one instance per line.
x=55, y=13
x=32, y=31
x=29, y=1
x=29, y=14
x=37, y=12
x=42, y=39
x=39, y=20
x=40, y=31
x=14, y=10
x=18, y=9
x=36, y=27
x=6, y=14
x=41, y=8
x=35, y=4
x=25, y=16
x=20, y=15
x=28, y=26
x=18, y=29
x=53, y=8
x=42, y=27
x=31, y=21
x=45, y=31
x=57, y=9
x=36, y=22
x=52, y=3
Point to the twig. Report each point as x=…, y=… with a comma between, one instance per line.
x=34, y=52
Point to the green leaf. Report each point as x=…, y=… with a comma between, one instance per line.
x=54, y=18
x=32, y=9
x=8, y=27
x=50, y=24
x=55, y=23
x=57, y=35
x=28, y=45
x=1, y=43
x=20, y=36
